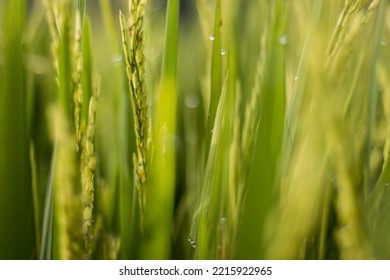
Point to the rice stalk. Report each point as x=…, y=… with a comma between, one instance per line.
x=346, y=30
x=88, y=165
x=133, y=47
x=60, y=18
x=67, y=197
x=77, y=75
x=65, y=24
x=66, y=21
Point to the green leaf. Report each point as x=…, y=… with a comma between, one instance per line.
x=16, y=202
x=216, y=74
x=210, y=205
x=87, y=74
x=264, y=173
x=160, y=196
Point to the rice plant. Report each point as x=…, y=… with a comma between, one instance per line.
x=223, y=129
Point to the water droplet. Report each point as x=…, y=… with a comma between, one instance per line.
x=192, y=101
x=223, y=52
x=212, y=38
x=191, y=241
x=383, y=42
x=295, y=78
x=212, y=131
x=283, y=39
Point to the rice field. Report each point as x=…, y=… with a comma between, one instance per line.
x=179, y=129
